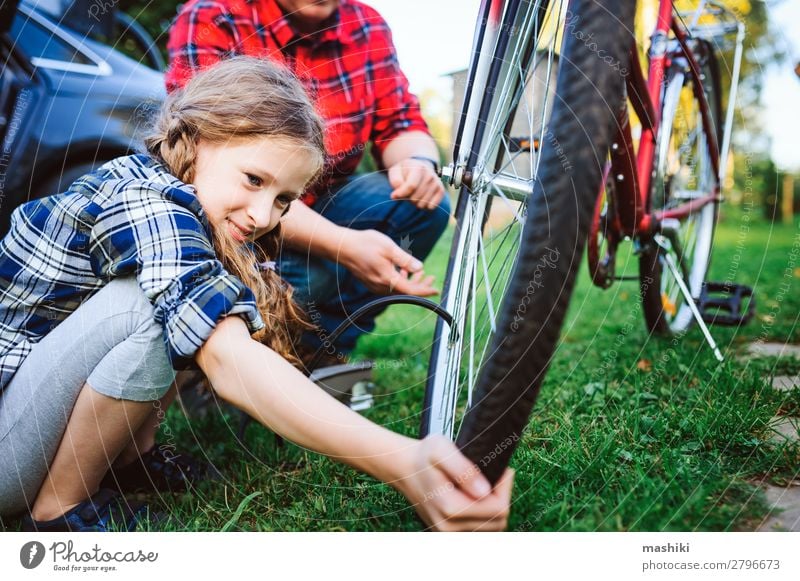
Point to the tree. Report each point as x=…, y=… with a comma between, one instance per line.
x=156, y=17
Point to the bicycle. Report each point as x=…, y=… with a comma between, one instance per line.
x=545, y=136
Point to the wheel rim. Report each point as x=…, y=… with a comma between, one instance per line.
x=491, y=227
x=684, y=172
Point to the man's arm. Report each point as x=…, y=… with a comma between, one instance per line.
x=412, y=176
x=408, y=144
x=371, y=256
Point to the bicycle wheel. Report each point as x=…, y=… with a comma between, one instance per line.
x=512, y=86
x=684, y=172
x=559, y=210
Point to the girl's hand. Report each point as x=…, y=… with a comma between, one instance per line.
x=382, y=265
x=450, y=493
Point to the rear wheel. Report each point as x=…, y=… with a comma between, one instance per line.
x=683, y=173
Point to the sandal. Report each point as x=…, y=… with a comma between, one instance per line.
x=159, y=470
x=106, y=510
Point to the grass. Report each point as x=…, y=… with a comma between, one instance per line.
x=630, y=432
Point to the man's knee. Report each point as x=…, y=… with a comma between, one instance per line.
x=374, y=185
x=314, y=281
x=426, y=226
x=440, y=216
x=357, y=196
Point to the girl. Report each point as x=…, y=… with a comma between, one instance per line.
x=146, y=267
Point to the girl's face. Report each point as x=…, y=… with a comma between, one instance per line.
x=247, y=185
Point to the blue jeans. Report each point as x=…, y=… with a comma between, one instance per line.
x=327, y=291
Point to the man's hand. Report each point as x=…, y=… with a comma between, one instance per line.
x=415, y=180
x=450, y=493
x=382, y=265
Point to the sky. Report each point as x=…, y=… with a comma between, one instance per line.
x=434, y=37
x=781, y=94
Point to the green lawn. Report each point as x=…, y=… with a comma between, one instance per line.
x=630, y=433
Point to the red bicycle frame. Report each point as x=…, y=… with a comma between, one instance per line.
x=633, y=216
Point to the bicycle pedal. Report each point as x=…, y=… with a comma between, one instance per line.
x=726, y=304
x=350, y=383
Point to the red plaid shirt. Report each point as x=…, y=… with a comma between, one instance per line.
x=350, y=68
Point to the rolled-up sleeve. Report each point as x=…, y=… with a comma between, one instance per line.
x=160, y=236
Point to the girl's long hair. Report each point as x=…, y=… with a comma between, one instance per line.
x=240, y=98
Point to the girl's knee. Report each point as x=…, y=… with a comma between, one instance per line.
x=123, y=390
x=125, y=295
x=137, y=368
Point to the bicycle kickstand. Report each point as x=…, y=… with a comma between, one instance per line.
x=664, y=244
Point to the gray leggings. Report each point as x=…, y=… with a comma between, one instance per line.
x=110, y=342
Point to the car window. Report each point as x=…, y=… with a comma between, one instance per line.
x=38, y=42
x=125, y=43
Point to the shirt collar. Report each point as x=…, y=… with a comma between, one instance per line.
x=285, y=33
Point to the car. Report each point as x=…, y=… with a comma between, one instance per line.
x=80, y=81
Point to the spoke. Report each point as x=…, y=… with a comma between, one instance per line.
x=510, y=157
x=524, y=81
x=478, y=329
x=506, y=99
x=471, y=365
x=502, y=170
x=500, y=247
x=691, y=239
x=489, y=304
x=528, y=108
x=503, y=279
x=487, y=342
x=468, y=282
x=550, y=61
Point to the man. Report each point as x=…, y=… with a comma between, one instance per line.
x=355, y=236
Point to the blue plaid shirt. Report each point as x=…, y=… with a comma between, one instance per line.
x=130, y=217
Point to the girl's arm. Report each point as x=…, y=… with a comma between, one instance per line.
x=447, y=490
